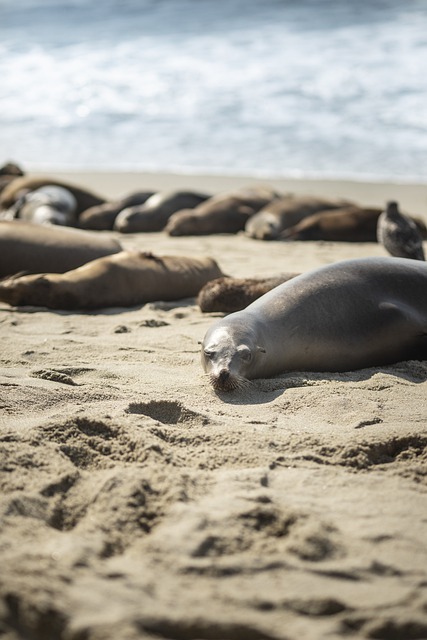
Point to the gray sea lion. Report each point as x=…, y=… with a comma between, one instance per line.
x=102, y=216
x=348, y=315
x=285, y=212
x=156, y=211
x=233, y=294
x=348, y=224
x=224, y=213
x=23, y=184
x=32, y=248
x=47, y=205
x=399, y=234
x=125, y=279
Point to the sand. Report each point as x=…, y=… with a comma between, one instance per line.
x=137, y=503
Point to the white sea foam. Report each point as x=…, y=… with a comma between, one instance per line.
x=318, y=87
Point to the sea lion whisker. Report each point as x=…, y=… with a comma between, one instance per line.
x=243, y=382
x=231, y=383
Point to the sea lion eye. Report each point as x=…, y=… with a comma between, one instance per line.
x=245, y=354
x=208, y=353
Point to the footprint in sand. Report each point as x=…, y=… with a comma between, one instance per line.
x=167, y=412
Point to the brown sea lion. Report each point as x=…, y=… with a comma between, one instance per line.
x=285, y=212
x=125, y=279
x=8, y=172
x=23, y=184
x=224, y=213
x=349, y=224
x=33, y=248
x=5, y=180
x=233, y=294
x=11, y=169
x=102, y=216
x=156, y=211
x=399, y=234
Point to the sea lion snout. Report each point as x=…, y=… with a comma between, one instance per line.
x=225, y=362
x=223, y=376
x=225, y=380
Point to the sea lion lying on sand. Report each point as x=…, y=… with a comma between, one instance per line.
x=233, y=294
x=102, y=216
x=285, y=212
x=156, y=211
x=32, y=248
x=125, y=279
x=22, y=185
x=47, y=205
x=343, y=316
x=8, y=172
x=349, y=224
x=224, y=213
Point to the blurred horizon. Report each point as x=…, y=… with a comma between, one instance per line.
x=316, y=88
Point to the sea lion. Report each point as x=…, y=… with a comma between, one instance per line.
x=11, y=169
x=9, y=172
x=233, y=294
x=47, y=205
x=285, y=212
x=32, y=248
x=348, y=224
x=348, y=315
x=23, y=184
x=125, y=279
x=102, y=216
x=156, y=211
x=224, y=213
x=399, y=234
x=5, y=180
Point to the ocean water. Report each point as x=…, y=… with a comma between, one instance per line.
x=334, y=88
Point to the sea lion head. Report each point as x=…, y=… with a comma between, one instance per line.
x=182, y=223
x=228, y=356
x=263, y=226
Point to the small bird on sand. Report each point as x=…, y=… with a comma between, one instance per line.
x=399, y=234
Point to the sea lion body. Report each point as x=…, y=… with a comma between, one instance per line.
x=32, y=248
x=102, y=216
x=11, y=169
x=233, y=294
x=24, y=184
x=9, y=172
x=344, y=316
x=155, y=212
x=5, y=180
x=286, y=212
x=125, y=279
x=346, y=224
x=50, y=204
x=223, y=213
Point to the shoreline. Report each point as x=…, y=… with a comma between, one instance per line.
x=112, y=184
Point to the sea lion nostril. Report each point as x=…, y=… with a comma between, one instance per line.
x=223, y=375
